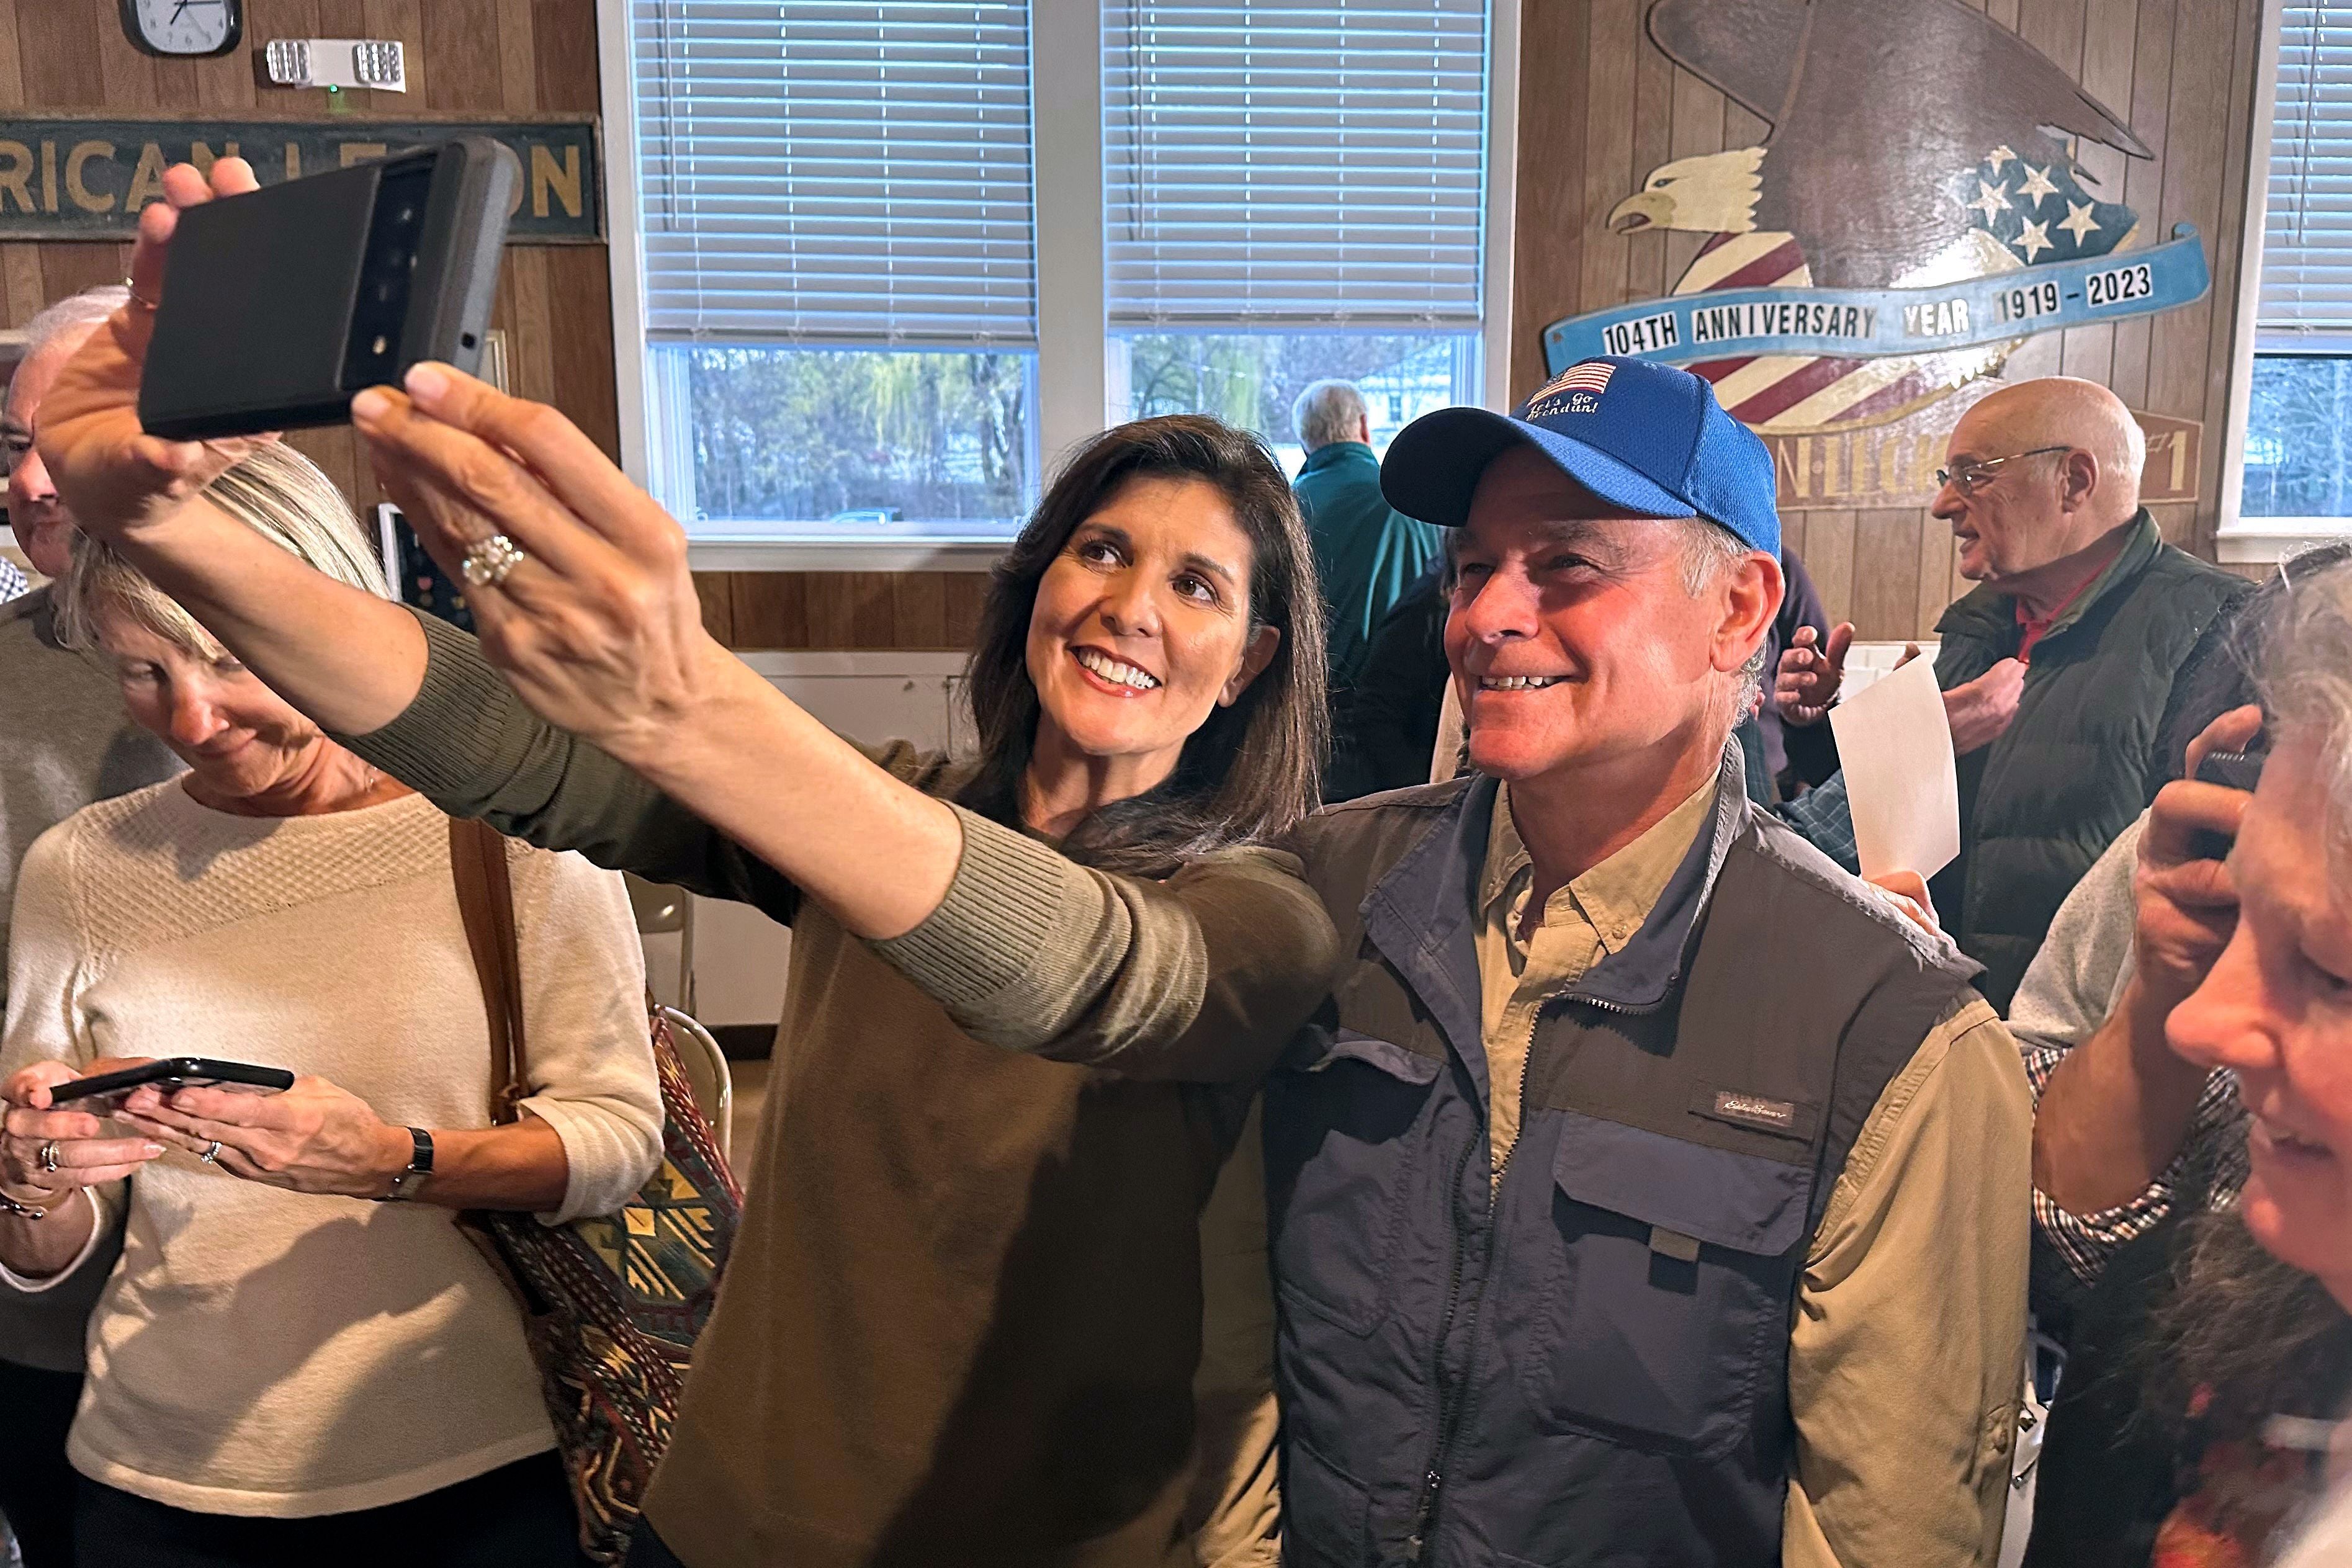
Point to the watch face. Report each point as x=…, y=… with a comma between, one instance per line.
x=184, y=26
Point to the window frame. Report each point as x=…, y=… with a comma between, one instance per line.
x=1073, y=337
x=2241, y=540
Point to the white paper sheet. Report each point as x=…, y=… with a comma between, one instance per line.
x=1896, y=750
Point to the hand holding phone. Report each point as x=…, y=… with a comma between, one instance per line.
x=47, y=1150
x=261, y=345
x=2187, y=902
x=281, y=303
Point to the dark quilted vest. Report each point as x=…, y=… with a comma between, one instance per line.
x=2080, y=762
x=1589, y=1364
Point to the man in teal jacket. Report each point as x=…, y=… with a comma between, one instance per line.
x=1366, y=554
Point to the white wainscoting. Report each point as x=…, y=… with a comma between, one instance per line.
x=740, y=955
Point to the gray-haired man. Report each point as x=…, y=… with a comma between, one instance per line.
x=1366, y=553
x=68, y=743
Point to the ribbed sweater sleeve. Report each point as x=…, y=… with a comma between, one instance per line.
x=470, y=745
x=1201, y=977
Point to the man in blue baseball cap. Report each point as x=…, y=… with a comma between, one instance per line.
x=1648, y=1190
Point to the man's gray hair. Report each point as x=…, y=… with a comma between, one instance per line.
x=1328, y=412
x=1710, y=550
x=278, y=494
x=82, y=310
x=2304, y=677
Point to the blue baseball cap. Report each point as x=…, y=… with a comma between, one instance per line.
x=1647, y=437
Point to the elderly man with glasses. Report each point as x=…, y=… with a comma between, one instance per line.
x=2058, y=668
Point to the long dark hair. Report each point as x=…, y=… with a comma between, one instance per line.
x=1251, y=770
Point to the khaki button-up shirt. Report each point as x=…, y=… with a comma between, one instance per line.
x=1522, y=965
x=1885, y=1373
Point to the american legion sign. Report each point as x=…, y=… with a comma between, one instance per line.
x=77, y=178
x=1859, y=287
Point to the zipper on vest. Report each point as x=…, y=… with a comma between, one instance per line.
x=1447, y=1418
x=1450, y=1414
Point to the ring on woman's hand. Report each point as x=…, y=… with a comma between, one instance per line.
x=488, y=561
x=137, y=297
x=49, y=1156
x=211, y=1152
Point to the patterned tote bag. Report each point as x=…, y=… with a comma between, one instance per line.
x=612, y=1303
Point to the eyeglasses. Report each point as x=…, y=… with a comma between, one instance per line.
x=1971, y=476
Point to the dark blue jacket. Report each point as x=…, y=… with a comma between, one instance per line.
x=1586, y=1365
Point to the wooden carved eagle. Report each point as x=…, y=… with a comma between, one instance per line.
x=1875, y=106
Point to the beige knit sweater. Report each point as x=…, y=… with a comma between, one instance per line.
x=267, y=1352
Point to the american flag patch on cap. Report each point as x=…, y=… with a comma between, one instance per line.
x=1572, y=391
x=1592, y=376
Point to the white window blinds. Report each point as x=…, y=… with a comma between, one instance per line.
x=823, y=172
x=2307, y=231
x=1291, y=161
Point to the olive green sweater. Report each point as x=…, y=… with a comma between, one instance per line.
x=962, y=1319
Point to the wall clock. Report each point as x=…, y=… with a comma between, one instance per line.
x=184, y=28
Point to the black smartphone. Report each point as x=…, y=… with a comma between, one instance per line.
x=281, y=303
x=2232, y=771
x=111, y=1089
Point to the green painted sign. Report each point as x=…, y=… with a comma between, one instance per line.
x=87, y=178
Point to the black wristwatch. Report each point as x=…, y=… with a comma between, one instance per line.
x=420, y=1166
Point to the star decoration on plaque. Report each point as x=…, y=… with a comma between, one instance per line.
x=2079, y=222
x=1991, y=199
x=2037, y=185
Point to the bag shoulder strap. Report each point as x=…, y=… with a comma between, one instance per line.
x=477, y=861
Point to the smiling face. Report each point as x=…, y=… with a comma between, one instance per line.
x=1142, y=628
x=1574, y=638
x=243, y=743
x=2277, y=1007
x=43, y=528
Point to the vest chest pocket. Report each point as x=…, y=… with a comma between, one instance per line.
x=1342, y=1135
x=1662, y=1289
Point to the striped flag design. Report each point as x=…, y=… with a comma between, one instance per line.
x=2020, y=211
x=1791, y=392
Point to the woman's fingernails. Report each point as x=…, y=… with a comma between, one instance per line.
x=154, y=1150
x=370, y=406
x=426, y=381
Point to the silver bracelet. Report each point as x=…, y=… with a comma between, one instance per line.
x=22, y=1210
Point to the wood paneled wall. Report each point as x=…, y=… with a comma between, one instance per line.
x=487, y=58
x=1601, y=106
x=1599, y=109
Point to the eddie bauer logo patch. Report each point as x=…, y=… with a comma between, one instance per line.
x=1778, y=1115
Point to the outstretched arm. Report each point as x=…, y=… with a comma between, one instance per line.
x=599, y=630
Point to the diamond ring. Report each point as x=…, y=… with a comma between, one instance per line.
x=49, y=1156
x=488, y=561
x=211, y=1152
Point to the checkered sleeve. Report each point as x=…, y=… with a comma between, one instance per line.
x=1822, y=817
x=2214, y=1151
x=12, y=581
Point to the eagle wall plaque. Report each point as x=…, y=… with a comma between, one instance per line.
x=1915, y=213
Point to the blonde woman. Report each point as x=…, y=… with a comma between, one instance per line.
x=299, y=1357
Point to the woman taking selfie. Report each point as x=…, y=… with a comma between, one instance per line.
x=963, y=1318
x=298, y=1356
